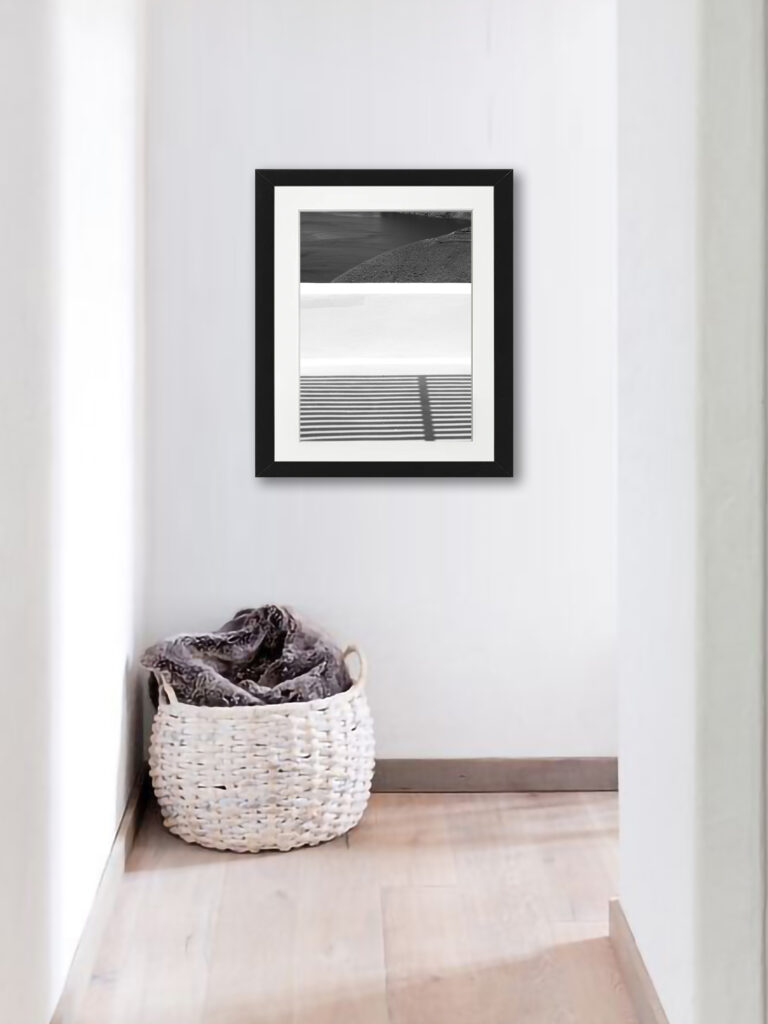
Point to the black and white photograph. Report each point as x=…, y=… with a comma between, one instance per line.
x=386, y=325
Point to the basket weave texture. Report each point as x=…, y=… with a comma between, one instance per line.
x=271, y=777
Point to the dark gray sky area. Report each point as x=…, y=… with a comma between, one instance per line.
x=386, y=247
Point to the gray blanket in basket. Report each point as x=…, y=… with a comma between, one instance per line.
x=261, y=656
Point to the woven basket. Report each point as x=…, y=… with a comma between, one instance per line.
x=271, y=777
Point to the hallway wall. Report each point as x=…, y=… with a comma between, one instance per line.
x=692, y=486
x=486, y=607
x=26, y=313
x=70, y=320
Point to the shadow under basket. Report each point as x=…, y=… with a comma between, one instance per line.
x=271, y=777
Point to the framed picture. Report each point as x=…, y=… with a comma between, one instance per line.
x=384, y=323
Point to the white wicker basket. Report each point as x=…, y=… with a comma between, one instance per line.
x=271, y=777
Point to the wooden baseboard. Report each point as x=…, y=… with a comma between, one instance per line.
x=83, y=962
x=496, y=775
x=637, y=980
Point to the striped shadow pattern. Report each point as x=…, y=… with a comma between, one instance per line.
x=431, y=407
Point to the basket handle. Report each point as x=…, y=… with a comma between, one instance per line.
x=352, y=649
x=165, y=689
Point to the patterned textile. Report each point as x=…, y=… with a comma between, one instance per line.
x=261, y=656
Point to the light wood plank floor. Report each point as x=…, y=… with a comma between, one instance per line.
x=437, y=909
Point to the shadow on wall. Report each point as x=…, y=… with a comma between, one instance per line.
x=519, y=408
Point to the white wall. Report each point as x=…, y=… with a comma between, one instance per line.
x=656, y=487
x=98, y=263
x=691, y=499
x=26, y=310
x=70, y=253
x=486, y=607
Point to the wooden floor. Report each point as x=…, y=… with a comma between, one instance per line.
x=437, y=909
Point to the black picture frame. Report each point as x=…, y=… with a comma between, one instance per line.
x=503, y=344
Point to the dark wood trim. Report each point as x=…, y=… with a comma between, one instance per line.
x=496, y=775
x=637, y=980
